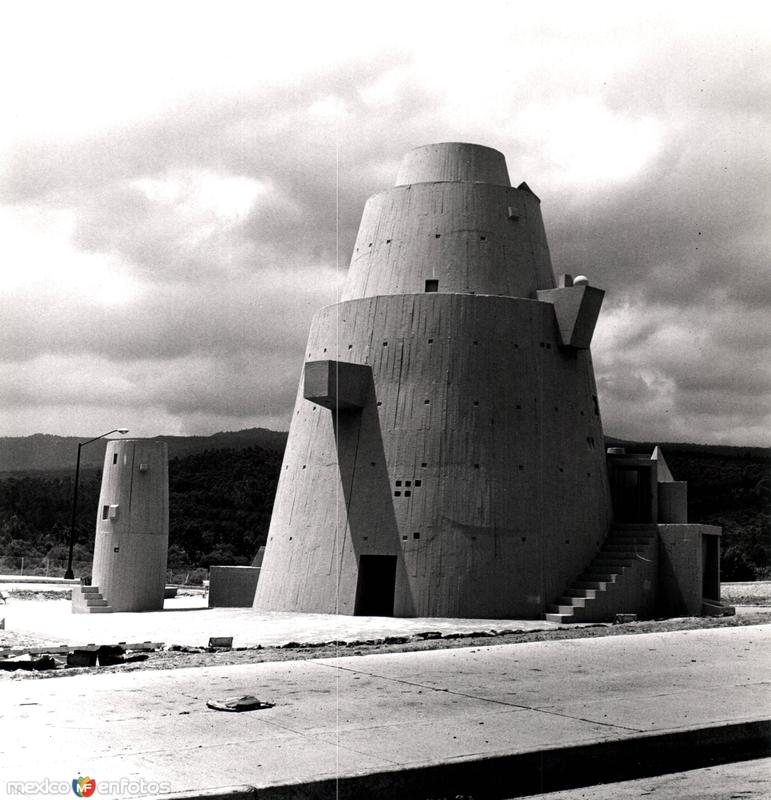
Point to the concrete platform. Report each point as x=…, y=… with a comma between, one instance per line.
x=186, y=620
x=395, y=724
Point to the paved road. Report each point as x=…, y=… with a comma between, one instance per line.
x=745, y=780
x=356, y=715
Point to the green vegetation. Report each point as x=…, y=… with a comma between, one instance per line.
x=219, y=510
x=221, y=500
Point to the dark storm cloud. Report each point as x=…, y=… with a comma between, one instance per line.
x=285, y=138
x=220, y=316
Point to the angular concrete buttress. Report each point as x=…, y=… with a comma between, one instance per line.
x=132, y=525
x=458, y=469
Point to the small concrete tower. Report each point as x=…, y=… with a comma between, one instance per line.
x=445, y=454
x=132, y=526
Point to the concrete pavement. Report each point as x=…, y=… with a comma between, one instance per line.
x=744, y=780
x=186, y=620
x=390, y=717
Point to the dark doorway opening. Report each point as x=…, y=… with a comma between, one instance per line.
x=710, y=576
x=632, y=495
x=375, y=587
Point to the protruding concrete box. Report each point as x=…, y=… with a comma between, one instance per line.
x=132, y=526
x=337, y=384
x=689, y=571
x=232, y=587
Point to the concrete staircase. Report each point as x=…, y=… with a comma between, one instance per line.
x=89, y=600
x=619, y=580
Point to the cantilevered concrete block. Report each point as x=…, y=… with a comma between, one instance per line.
x=337, y=384
x=577, y=309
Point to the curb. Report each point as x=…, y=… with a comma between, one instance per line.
x=535, y=772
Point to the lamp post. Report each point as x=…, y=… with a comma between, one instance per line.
x=69, y=574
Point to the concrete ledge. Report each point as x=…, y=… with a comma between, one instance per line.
x=522, y=774
x=38, y=579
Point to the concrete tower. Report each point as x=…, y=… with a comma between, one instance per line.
x=445, y=455
x=132, y=526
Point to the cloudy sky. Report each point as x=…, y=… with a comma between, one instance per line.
x=181, y=184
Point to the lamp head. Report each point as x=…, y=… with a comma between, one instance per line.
x=123, y=430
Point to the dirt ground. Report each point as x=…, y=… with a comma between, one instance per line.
x=173, y=658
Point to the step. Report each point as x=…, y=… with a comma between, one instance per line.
x=95, y=602
x=105, y=609
x=564, y=610
x=574, y=602
x=600, y=586
x=561, y=618
x=577, y=591
x=605, y=577
x=89, y=589
x=617, y=547
x=609, y=561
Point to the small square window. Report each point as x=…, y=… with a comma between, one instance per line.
x=398, y=483
x=417, y=483
x=407, y=493
x=408, y=483
x=424, y=464
x=432, y=285
x=416, y=535
x=397, y=494
x=114, y=458
x=404, y=538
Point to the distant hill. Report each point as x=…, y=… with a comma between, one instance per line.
x=222, y=488
x=47, y=453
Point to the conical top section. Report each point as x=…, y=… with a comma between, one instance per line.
x=453, y=161
x=453, y=223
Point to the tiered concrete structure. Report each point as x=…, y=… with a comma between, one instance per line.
x=132, y=530
x=445, y=456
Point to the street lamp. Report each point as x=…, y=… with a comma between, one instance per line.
x=69, y=574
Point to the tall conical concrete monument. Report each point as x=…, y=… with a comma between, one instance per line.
x=445, y=456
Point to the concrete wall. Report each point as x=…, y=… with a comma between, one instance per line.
x=681, y=568
x=470, y=237
x=473, y=399
x=232, y=587
x=132, y=526
x=673, y=502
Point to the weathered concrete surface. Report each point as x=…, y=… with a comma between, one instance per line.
x=472, y=482
x=232, y=587
x=132, y=525
x=744, y=780
x=186, y=620
x=381, y=714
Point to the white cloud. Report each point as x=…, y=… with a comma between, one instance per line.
x=180, y=184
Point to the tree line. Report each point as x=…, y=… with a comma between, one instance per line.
x=220, y=503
